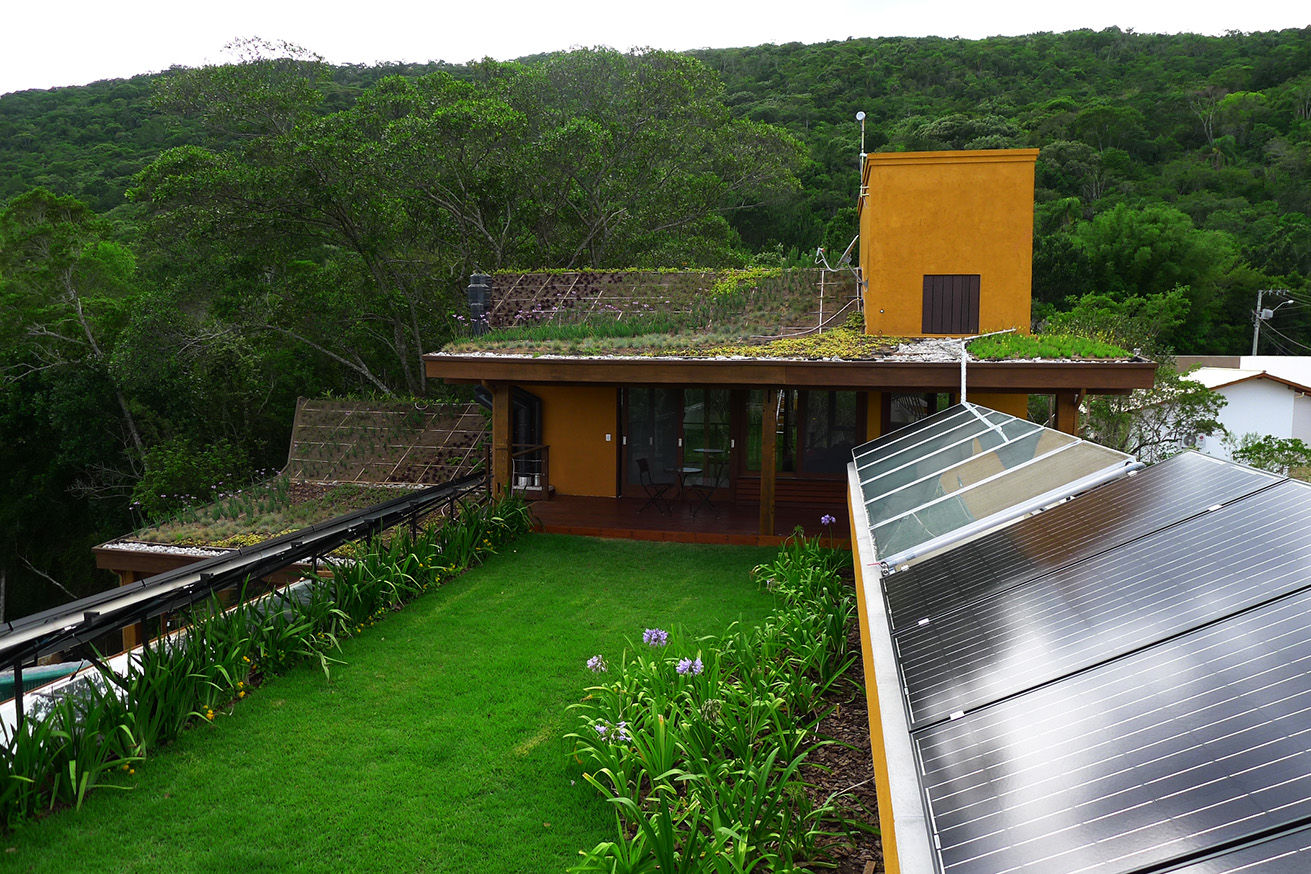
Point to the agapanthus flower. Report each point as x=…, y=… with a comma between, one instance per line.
x=690, y=666
x=826, y=519
x=618, y=733
x=596, y=664
x=655, y=637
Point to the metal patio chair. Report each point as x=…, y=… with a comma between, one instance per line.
x=655, y=492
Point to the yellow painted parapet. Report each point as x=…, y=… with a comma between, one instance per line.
x=947, y=214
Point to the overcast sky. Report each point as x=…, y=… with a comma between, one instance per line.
x=72, y=42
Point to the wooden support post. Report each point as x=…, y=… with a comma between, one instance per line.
x=768, y=462
x=1067, y=411
x=131, y=633
x=18, y=695
x=501, y=439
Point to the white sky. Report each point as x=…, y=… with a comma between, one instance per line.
x=72, y=42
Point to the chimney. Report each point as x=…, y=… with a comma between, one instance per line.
x=479, y=292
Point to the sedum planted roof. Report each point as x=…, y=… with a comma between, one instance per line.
x=966, y=469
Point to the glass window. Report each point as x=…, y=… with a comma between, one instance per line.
x=817, y=430
x=653, y=432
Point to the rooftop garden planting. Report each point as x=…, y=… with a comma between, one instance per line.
x=1023, y=346
x=100, y=732
x=701, y=744
x=434, y=744
x=259, y=512
x=752, y=313
x=345, y=455
x=655, y=314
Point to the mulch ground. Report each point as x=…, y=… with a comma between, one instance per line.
x=848, y=766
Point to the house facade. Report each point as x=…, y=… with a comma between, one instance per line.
x=1265, y=396
x=945, y=252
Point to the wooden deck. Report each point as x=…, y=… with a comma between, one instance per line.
x=725, y=523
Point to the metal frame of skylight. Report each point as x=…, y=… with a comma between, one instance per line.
x=965, y=424
x=920, y=430
x=1005, y=471
x=943, y=470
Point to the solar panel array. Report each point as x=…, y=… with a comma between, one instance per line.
x=1121, y=683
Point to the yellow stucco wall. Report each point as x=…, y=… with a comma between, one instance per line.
x=873, y=415
x=575, y=422
x=878, y=749
x=1014, y=405
x=947, y=213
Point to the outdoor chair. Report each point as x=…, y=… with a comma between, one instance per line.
x=655, y=492
x=704, y=490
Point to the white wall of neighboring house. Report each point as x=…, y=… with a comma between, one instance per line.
x=1302, y=418
x=1259, y=399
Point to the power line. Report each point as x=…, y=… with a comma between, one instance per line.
x=1272, y=329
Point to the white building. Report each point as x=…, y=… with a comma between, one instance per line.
x=1267, y=395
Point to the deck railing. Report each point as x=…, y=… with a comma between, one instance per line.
x=530, y=468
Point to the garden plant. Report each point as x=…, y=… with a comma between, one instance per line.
x=699, y=745
x=111, y=722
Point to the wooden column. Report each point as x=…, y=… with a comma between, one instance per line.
x=1067, y=411
x=501, y=439
x=132, y=634
x=768, y=462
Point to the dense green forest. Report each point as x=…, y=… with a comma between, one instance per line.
x=182, y=255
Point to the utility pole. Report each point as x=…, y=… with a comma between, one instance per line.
x=1263, y=315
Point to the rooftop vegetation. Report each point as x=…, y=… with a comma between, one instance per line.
x=1021, y=346
x=727, y=309
x=259, y=512
x=437, y=743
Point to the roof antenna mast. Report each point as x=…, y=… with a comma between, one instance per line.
x=860, y=117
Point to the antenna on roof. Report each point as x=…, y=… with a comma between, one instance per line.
x=860, y=117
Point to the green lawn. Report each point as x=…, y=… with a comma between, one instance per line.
x=436, y=747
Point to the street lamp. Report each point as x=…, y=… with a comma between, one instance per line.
x=1265, y=314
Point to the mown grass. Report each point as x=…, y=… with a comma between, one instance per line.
x=437, y=746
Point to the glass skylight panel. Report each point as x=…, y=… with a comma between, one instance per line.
x=961, y=466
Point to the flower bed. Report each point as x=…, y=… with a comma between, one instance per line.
x=700, y=744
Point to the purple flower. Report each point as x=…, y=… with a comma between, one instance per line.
x=655, y=637
x=826, y=519
x=618, y=733
x=596, y=664
x=690, y=666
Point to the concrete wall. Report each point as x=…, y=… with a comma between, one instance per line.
x=947, y=213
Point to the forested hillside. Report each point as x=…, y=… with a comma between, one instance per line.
x=182, y=255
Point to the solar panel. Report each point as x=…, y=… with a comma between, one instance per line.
x=1237, y=556
x=1199, y=741
x=1284, y=853
x=1114, y=513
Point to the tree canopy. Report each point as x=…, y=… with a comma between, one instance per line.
x=182, y=255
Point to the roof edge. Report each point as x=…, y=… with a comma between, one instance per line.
x=911, y=829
